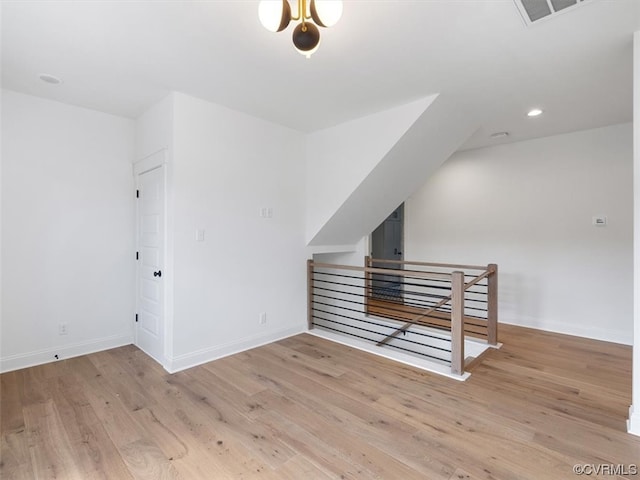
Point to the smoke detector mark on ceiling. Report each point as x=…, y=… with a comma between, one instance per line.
x=499, y=135
x=52, y=79
x=534, y=10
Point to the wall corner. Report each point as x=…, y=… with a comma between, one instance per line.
x=634, y=412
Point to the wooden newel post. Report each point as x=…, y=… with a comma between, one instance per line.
x=310, y=294
x=457, y=323
x=492, y=305
x=367, y=284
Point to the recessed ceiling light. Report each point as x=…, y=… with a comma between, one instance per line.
x=499, y=134
x=534, y=112
x=52, y=79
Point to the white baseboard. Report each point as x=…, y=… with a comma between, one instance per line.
x=594, y=333
x=193, y=359
x=47, y=355
x=633, y=424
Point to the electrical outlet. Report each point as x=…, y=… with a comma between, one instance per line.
x=263, y=318
x=62, y=329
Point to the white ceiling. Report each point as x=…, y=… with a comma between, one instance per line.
x=122, y=56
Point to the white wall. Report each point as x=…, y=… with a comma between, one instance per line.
x=634, y=411
x=154, y=129
x=354, y=256
x=67, y=223
x=226, y=167
x=528, y=207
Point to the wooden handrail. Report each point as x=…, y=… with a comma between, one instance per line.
x=415, y=321
x=457, y=322
x=429, y=264
x=492, y=320
x=490, y=272
x=386, y=271
x=479, y=278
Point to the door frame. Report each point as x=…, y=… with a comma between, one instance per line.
x=145, y=164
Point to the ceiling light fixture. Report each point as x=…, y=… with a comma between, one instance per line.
x=534, y=112
x=275, y=16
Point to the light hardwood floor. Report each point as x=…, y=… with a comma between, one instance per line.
x=305, y=408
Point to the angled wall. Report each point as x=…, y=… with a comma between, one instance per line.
x=340, y=157
x=359, y=172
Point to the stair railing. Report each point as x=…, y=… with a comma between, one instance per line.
x=427, y=298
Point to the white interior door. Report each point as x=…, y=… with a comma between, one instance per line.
x=150, y=285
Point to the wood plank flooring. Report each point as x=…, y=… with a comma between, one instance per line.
x=306, y=408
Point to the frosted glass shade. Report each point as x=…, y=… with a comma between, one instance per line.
x=326, y=13
x=274, y=15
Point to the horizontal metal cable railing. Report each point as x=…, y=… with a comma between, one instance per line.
x=480, y=296
x=421, y=308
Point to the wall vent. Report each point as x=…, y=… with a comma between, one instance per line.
x=533, y=11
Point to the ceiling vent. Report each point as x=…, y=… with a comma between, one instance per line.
x=533, y=11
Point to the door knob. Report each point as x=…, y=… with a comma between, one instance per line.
x=158, y=273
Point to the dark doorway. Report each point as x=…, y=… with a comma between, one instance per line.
x=387, y=244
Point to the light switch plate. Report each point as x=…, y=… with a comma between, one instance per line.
x=266, y=212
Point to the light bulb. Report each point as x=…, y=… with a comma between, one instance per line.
x=274, y=15
x=326, y=13
x=308, y=53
